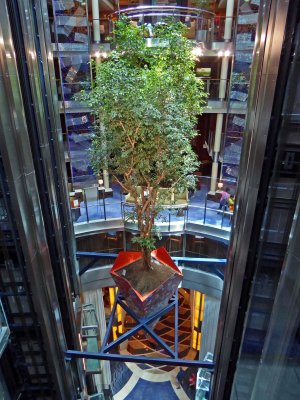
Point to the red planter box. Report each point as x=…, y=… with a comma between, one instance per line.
x=155, y=300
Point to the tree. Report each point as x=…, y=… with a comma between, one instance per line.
x=146, y=101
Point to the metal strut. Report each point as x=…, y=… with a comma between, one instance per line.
x=142, y=324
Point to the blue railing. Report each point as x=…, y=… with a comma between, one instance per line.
x=215, y=266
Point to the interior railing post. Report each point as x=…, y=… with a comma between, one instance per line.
x=86, y=207
x=104, y=205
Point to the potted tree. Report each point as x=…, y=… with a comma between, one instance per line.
x=146, y=101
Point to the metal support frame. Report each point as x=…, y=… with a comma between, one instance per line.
x=214, y=263
x=142, y=323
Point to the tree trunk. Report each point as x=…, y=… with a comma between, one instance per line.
x=147, y=258
x=146, y=216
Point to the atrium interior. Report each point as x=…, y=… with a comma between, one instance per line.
x=232, y=328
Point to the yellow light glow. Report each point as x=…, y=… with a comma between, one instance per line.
x=199, y=299
x=119, y=328
x=119, y=317
x=112, y=301
x=81, y=348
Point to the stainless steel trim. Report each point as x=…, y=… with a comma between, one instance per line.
x=267, y=51
x=132, y=10
x=17, y=158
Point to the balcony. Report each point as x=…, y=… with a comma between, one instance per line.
x=78, y=33
x=95, y=210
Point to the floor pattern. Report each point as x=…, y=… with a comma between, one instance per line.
x=148, y=381
x=150, y=390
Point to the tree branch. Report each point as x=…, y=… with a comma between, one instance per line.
x=131, y=141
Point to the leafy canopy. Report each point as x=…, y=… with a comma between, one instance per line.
x=146, y=101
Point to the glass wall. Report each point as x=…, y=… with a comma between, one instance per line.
x=71, y=25
x=239, y=88
x=80, y=130
x=269, y=361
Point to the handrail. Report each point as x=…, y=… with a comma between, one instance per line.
x=212, y=263
x=80, y=254
x=197, y=11
x=189, y=14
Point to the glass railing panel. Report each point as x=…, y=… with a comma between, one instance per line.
x=112, y=201
x=76, y=203
x=217, y=217
x=200, y=23
x=90, y=202
x=72, y=28
x=195, y=213
x=215, y=88
x=199, y=29
x=92, y=212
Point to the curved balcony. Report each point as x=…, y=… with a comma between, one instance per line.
x=200, y=23
x=80, y=31
x=96, y=209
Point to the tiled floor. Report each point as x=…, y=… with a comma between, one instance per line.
x=150, y=381
x=151, y=390
x=144, y=385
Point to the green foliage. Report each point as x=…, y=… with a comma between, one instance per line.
x=146, y=102
x=147, y=243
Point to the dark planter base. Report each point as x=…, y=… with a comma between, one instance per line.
x=146, y=304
